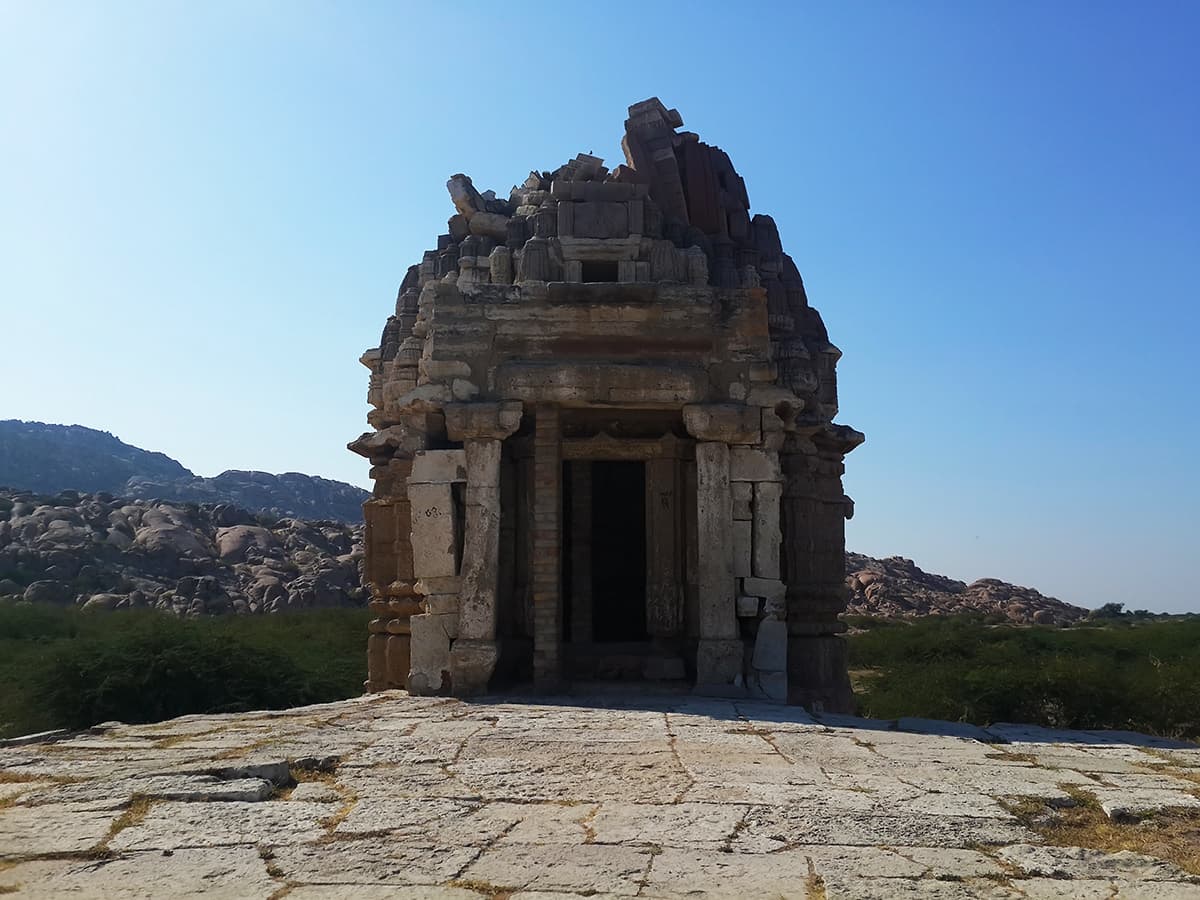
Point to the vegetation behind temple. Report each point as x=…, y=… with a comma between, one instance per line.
x=1119, y=670
x=73, y=668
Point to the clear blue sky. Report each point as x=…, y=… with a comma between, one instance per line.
x=206, y=208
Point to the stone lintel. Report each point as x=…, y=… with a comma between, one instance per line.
x=618, y=384
x=483, y=420
x=606, y=447
x=600, y=248
x=728, y=423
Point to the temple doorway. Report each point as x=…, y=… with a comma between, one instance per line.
x=618, y=551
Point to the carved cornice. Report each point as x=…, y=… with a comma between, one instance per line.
x=495, y=421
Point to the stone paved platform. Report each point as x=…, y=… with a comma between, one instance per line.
x=390, y=796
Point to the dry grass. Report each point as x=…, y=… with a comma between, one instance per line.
x=589, y=833
x=5, y=865
x=7, y=777
x=1171, y=835
x=814, y=884
x=138, y=807
x=1007, y=756
x=349, y=801
x=173, y=740
x=866, y=745
x=487, y=889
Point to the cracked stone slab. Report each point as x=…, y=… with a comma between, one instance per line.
x=172, y=825
x=699, y=825
x=230, y=872
x=61, y=828
x=380, y=892
x=1097, y=889
x=845, y=887
x=1125, y=803
x=119, y=793
x=951, y=863
x=601, y=868
x=1078, y=862
x=371, y=860
x=774, y=828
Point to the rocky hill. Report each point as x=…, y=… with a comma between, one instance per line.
x=98, y=551
x=102, y=551
x=895, y=587
x=50, y=458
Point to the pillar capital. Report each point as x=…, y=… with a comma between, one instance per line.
x=495, y=421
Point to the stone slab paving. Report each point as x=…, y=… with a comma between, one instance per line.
x=621, y=796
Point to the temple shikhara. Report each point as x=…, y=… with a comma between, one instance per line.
x=603, y=443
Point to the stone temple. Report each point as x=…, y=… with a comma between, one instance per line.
x=603, y=444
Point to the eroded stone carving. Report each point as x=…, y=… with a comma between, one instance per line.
x=602, y=417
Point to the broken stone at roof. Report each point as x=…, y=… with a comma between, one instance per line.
x=603, y=444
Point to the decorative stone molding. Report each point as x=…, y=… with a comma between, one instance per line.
x=728, y=423
x=494, y=421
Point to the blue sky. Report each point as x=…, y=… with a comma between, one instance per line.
x=205, y=210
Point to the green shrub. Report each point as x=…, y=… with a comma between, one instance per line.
x=67, y=668
x=1142, y=677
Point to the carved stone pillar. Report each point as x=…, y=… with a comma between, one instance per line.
x=814, y=568
x=719, y=652
x=435, y=496
x=482, y=427
x=547, y=545
x=581, y=552
x=389, y=577
x=664, y=571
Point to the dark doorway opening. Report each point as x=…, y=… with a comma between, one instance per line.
x=600, y=271
x=619, y=551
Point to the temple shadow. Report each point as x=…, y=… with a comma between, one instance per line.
x=683, y=701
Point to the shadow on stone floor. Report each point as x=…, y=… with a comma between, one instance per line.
x=621, y=697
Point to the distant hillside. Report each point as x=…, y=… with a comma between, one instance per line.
x=47, y=459
x=896, y=588
x=51, y=458
x=108, y=552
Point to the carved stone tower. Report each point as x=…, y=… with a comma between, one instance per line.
x=603, y=442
